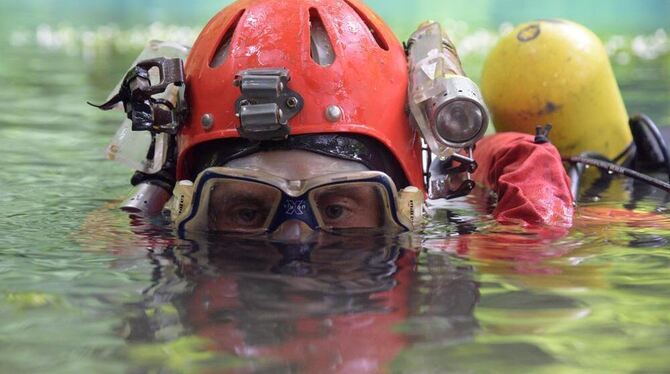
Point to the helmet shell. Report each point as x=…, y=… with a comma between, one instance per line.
x=367, y=79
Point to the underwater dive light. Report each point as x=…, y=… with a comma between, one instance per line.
x=448, y=109
x=446, y=105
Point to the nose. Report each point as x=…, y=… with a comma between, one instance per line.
x=293, y=231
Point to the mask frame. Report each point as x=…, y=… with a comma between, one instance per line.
x=189, y=214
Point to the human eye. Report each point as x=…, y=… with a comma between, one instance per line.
x=349, y=206
x=342, y=213
x=248, y=214
x=239, y=216
x=336, y=208
x=240, y=206
x=334, y=211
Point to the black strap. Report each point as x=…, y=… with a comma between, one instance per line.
x=614, y=168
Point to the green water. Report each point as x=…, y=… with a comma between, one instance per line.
x=82, y=289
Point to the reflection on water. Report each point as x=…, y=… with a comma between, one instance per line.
x=329, y=308
x=84, y=290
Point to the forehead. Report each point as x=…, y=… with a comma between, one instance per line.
x=295, y=164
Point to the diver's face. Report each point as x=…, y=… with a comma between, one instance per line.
x=244, y=206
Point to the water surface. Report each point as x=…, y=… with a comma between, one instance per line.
x=85, y=289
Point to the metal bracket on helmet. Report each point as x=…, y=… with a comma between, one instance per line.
x=266, y=103
x=157, y=115
x=447, y=172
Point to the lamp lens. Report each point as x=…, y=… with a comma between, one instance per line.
x=459, y=121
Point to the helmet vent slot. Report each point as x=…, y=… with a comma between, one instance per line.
x=222, y=50
x=320, y=47
x=381, y=42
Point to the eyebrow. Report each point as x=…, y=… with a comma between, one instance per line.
x=354, y=192
x=245, y=196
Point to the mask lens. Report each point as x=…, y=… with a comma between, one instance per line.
x=241, y=206
x=459, y=121
x=350, y=205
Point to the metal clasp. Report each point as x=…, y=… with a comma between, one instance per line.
x=456, y=169
x=162, y=114
x=266, y=103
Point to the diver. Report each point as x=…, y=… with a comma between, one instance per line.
x=282, y=121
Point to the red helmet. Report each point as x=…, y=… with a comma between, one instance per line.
x=354, y=82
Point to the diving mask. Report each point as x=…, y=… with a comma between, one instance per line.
x=232, y=200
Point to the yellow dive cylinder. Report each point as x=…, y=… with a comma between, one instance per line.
x=557, y=72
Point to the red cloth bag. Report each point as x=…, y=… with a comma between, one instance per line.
x=529, y=179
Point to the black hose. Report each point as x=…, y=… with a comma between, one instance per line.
x=625, y=154
x=614, y=168
x=651, y=126
x=575, y=173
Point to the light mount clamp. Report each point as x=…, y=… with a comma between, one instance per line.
x=266, y=103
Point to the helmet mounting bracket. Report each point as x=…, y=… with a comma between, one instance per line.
x=266, y=103
x=156, y=115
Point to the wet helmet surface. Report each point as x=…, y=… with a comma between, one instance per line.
x=343, y=60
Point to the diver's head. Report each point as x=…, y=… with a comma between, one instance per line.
x=298, y=67
x=293, y=103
